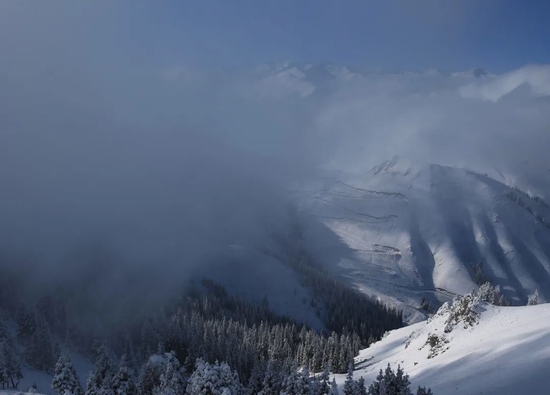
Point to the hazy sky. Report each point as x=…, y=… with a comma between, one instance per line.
x=395, y=34
x=143, y=121
x=499, y=35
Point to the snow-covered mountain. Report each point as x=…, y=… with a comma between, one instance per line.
x=506, y=352
x=407, y=231
x=305, y=80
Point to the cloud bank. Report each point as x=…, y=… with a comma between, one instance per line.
x=167, y=160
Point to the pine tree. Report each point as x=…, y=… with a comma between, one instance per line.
x=255, y=383
x=390, y=383
x=65, y=378
x=534, y=298
x=424, y=391
x=171, y=380
x=149, y=377
x=93, y=384
x=378, y=387
x=324, y=378
x=298, y=383
x=10, y=361
x=123, y=383
x=104, y=364
x=214, y=379
x=272, y=380
x=350, y=386
x=40, y=352
x=291, y=383
x=361, y=389
x=3, y=370
x=334, y=388
x=100, y=380
x=107, y=386
x=25, y=323
x=306, y=379
x=402, y=383
x=315, y=385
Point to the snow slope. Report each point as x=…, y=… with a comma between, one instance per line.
x=43, y=380
x=253, y=275
x=408, y=231
x=506, y=353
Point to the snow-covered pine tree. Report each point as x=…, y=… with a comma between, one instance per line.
x=3, y=371
x=306, y=379
x=104, y=364
x=128, y=352
x=533, y=299
x=123, y=383
x=229, y=379
x=361, y=389
x=491, y=294
x=255, y=382
x=107, y=387
x=391, y=383
x=100, y=379
x=378, y=387
x=149, y=340
x=149, y=377
x=40, y=351
x=65, y=377
x=315, y=385
x=402, y=382
x=93, y=384
x=334, y=388
x=3, y=327
x=172, y=381
x=291, y=382
x=350, y=385
x=324, y=379
x=10, y=360
x=25, y=322
x=271, y=384
x=301, y=384
x=210, y=379
x=424, y=391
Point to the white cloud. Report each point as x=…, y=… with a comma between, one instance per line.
x=285, y=82
x=321, y=115
x=537, y=78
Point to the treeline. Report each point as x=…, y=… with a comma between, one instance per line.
x=207, y=325
x=204, y=322
x=211, y=324
x=162, y=374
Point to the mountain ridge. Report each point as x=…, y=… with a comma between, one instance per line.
x=413, y=231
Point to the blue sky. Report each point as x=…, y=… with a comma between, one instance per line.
x=499, y=35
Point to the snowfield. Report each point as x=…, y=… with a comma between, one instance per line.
x=43, y=380
x=506, y=353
